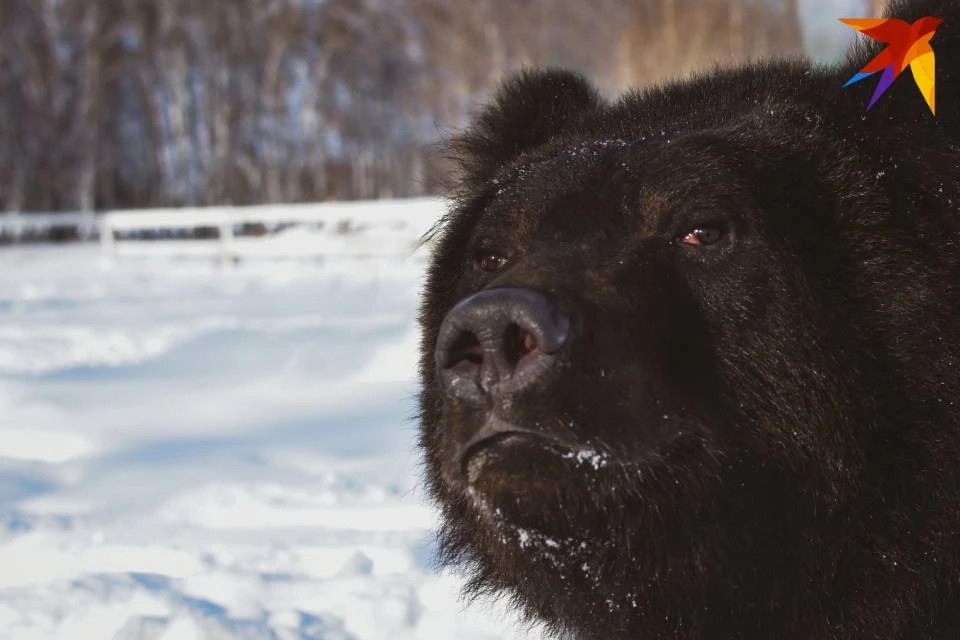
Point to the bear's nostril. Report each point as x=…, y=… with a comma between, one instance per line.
x=518, y=343
x=465, y=351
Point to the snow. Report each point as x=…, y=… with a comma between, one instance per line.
x=588, y=456
x=193, y=449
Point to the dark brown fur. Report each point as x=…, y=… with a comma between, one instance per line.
x=762, y=436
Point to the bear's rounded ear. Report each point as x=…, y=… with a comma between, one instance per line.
x=530, y=109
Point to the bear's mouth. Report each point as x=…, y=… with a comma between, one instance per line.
x=497, y=437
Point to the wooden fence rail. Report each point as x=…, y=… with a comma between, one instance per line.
x=375, y=227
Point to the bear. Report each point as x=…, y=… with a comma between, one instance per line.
x=689, y=357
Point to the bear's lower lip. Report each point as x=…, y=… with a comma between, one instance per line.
x=479, y=453
x=479, y=450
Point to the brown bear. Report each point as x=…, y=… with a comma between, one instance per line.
x=690, y=358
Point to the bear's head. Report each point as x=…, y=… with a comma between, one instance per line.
x=677, y=351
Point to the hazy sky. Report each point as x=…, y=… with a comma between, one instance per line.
x=825, y=37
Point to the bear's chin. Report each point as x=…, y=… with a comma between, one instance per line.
x=523, y=483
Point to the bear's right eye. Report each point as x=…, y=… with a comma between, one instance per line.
x=703, y=236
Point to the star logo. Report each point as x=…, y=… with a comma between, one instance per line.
x=908, y=46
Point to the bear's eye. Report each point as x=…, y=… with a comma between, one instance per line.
x=702, y=236
x=490, y=261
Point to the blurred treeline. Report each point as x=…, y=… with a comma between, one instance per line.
x=135, y=103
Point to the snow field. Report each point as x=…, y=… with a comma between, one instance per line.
x=201, y=450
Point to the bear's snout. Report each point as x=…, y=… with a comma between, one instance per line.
x=498, y=342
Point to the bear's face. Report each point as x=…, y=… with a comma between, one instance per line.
x=679, y=396
x=668, y=363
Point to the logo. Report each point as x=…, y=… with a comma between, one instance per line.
x=908, y=45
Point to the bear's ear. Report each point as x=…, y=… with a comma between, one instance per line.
x=530, y=109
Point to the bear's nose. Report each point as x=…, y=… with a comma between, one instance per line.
x=497, y=342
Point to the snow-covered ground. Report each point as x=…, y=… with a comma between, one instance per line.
x=198, y=450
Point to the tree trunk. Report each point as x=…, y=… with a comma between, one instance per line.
x=669, y=12
x=89, y=112
x=735, y=20
x=793, y=42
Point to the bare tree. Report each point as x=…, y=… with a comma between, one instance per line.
x=120, y=103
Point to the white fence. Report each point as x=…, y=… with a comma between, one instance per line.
x=20, y=225
x=361, y=228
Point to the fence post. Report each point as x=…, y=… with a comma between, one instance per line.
x=226, y=236
x=106, y=235
x=17, y=226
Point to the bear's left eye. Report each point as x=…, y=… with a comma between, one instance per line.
x=702, y=236
x=490, y=261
